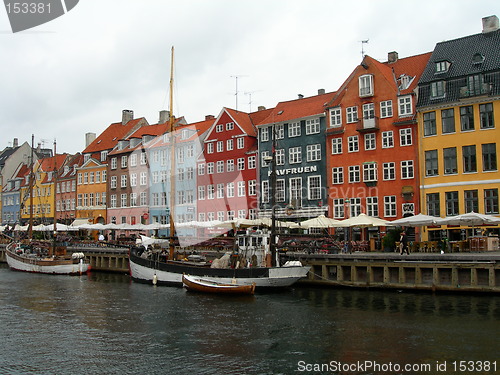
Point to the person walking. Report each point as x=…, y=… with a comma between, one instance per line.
x=403, y=243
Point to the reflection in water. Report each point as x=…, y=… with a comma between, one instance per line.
x=103, y=321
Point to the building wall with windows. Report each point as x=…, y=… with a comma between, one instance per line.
x=372, y=139
x=66, y=190
x=227, y=169
x=95, y=165
x=296, y=128
x=459, y=114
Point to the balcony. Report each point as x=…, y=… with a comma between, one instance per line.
x=367, y=124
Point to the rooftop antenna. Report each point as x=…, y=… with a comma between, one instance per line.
x=363, y=42
x=249, y=93
x=236, y=92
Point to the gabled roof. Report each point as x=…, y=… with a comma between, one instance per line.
x=411, y=66
x=113, y=133
x=5, y=154
x=460, y=52
x=243, y=120
x=298, y=108
x=261, y=115
x=22, y=173
x=72, y=160
x=154, y=130
x=52, y=163
x=198, y=129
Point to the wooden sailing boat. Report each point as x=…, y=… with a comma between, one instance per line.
x=199, y=284
x=29, y=256
x=146, y=266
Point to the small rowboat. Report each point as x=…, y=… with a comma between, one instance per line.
x=197, y=284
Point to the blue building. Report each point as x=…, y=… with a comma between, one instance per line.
x=188, y=142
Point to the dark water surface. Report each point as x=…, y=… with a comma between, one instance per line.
x=105, y=324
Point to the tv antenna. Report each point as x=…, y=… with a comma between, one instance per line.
x=236, y=91
x=249, y=93
x=363, y=42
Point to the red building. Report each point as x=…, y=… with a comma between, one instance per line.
x=372, y=140
x=227, y=168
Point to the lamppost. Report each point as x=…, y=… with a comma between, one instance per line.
x=347, y=229
x=272, y=179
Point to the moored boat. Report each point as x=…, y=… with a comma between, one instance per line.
x=29, y=258
x=249, y=263
x=198, y=284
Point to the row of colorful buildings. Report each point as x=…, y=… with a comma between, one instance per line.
x=405, y=136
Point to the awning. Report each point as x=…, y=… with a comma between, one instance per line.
x=78, y=222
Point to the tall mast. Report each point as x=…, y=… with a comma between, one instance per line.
x=172, y=159
x=55, y=189
x=30, y=189
x=272, y=238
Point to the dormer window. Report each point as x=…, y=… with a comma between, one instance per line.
x=366, y=85
x=405, y=81
x=442, y=66
x=477, y=58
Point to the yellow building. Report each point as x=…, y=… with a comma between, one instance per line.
x=44, y=172
x=459, y=126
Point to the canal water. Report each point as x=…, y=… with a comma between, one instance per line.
x=105, y=324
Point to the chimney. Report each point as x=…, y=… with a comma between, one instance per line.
x=127, y=115
x=15, y=143
x=209, y=117
x=89, y=138
x=164, y=116
x=321, y=91
x=261, y=108
x=301, y=96
x=490, y=24
x=392, y=57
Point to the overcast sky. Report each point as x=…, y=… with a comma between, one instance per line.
x=77, y=73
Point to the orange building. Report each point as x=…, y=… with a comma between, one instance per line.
x=372, y=154
x=91, y=186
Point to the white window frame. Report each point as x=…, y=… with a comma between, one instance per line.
x=386, y=109
x=353, y=143
x=366, y=85
x=390, y=206
x=264, y=134
x=313, y=152
x=294, y=129
x=389, y=171
x=313, y=126
x=335, y=117
x=337, y=175
x=240, y=143
x=405, y=106
x=388, y=139
x=407, y=169
x=336, y=146
x=295, y=155
x=351, y=114
x=370, y=172
x=314, y=187
x=354, y=174
x=372, y=206
x=405, y=137
x=370, y=141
